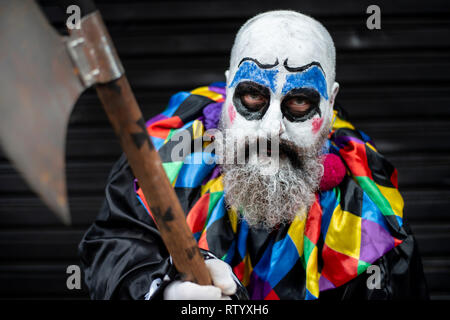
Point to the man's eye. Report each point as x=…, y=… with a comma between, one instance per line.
x=298, y=106
x=254, y=101
x=251, y=99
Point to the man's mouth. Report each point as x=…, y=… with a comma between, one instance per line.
x=283, y=150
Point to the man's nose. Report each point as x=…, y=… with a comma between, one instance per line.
x=272, y=122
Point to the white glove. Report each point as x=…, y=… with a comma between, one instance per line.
x=223, y=285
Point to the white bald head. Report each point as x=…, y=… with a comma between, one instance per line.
x=284, y=34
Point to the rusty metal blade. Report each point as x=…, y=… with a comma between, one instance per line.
x=38, y=89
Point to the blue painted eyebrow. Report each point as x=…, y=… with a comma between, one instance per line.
x=311, y=78
x=249, y=70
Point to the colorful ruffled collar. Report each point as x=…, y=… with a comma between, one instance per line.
x=347, y=229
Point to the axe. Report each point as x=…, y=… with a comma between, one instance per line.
x=41, y=77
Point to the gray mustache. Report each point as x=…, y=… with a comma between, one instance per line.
x=285, y=149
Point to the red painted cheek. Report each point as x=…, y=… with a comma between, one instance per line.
x=231, y=113
x=316, y=124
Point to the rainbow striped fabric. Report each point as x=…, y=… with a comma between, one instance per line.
x=347, y=229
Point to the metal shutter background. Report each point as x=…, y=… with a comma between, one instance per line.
x=395, y=85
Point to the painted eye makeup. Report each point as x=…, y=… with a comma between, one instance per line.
x=251, y=100
x=300, y=104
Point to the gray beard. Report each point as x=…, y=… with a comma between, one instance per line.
x=268, y=201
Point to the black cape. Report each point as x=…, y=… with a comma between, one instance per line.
x=122, y=254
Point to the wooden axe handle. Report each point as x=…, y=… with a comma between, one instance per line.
x=92, y=41
x=126, y=118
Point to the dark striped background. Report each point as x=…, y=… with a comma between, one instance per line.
x=395, y=84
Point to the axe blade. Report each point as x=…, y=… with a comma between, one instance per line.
x=38, y=89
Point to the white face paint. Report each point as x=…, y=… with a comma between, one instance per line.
x=281, y=79
x=280, y=84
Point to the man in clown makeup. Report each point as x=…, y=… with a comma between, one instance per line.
x=326, y=224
